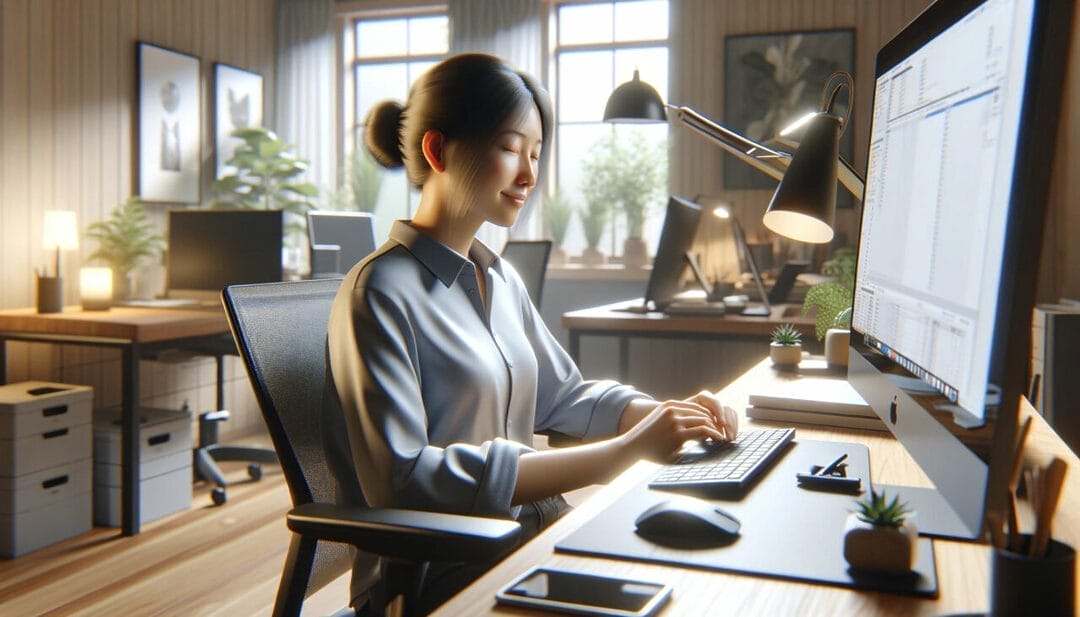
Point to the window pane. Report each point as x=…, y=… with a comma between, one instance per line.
x=641, y=21
x=585, y=23
x=584, y=85
x=375, y=82
x=429, y=35
x=384, y=37
x=651, y=63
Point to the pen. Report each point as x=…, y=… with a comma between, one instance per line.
x=831, y=467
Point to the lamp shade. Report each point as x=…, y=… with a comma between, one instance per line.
x=804, y=205
x=635, y=101
x=60, y=230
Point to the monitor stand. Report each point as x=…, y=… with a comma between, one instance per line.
x=934, y=518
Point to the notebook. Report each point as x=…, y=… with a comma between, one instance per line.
x=814, y=400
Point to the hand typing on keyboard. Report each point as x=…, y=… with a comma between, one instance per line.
x=659, y=433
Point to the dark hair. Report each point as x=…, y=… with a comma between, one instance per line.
x=467, y=97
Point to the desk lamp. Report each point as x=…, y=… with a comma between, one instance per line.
x=804, y=204
x=60, y=233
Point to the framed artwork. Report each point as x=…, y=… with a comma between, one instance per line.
x=771, y=80
x=238, y=103
x=169, y=125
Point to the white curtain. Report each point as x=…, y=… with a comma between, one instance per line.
x=510, y=29
x=305, y=85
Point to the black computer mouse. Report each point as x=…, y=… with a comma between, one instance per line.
x=687, y=519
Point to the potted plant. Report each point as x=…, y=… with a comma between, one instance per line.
x=126, y=240
x=881, y=535
x=832, y=298
x=557, y=212
x=785, y=350
x=626, y=171
x=593, y=220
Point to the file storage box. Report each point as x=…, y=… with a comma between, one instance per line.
x=164, y=464
x=45, y=459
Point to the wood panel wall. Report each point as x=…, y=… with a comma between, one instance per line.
x=67, y=108
x=698, y=32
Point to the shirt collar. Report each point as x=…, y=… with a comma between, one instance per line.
x=442, y=261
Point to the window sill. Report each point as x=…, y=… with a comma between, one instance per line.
x=607, y=272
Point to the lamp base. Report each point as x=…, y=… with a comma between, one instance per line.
x=50, y=294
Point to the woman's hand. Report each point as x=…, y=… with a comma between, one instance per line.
x=661, y=434
x=725, y=418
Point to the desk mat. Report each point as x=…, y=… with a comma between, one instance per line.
x=787, y=531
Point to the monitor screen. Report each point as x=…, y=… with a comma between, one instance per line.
x=961, y=133
x=210, y=249
x=676, y=238
x=352, y=232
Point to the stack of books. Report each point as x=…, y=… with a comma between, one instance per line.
x=826, y=401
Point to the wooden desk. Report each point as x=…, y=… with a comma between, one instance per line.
x=135, y=332
x=963, y=567
x=745, y=342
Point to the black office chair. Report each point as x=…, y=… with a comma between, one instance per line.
x=280, y=329
x=530, y=259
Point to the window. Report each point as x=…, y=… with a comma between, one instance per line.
x=383, y=55
x=598, y=46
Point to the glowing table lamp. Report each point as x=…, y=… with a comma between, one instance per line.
x=804, y=204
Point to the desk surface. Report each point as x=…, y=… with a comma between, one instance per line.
x=137, y=325
x=610, y=318
x=963, y=567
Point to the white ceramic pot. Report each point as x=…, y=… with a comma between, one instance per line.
x=836, y=346
x=880, y=548
x=785, y=356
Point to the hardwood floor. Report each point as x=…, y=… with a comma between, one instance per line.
x=204, y=561
x=221, y=561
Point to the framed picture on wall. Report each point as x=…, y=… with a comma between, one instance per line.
x=169, y=125
x=238, y=103
x=771, y=80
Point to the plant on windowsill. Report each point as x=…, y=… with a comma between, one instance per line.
x=881, y=535
x=626, y=171
x=593, y=220
x=557, y=213
x=126, y=240
x=785, y=350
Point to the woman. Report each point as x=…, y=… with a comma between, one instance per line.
x=443, y=368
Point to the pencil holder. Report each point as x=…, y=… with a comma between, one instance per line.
x=50, y=294
x=1022, y=585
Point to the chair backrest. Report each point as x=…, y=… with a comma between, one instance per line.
x=280, y=331
x=530, y=259
x=352, y=232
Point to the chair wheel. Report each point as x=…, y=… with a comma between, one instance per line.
x=218, y=495
x=255, y=471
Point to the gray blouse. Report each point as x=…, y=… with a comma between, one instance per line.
x=440, y=397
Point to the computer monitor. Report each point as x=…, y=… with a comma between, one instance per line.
x=209, y=249
x=352, y=232
x=962, y=130
x=676, y=238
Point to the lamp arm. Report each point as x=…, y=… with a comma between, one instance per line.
x=771, y=162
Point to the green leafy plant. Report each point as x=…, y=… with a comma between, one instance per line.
x=265, y=176
x=126, y=239
x=786, y=334
x=625, y=171
x=878, y=510
x=365, y=180
x=593, y=220
x=557, y=213
x=832, y=299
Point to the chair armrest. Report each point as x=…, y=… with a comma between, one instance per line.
x=411, y=535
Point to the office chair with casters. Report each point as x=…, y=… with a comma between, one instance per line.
x=280, y=329
x=530, y=259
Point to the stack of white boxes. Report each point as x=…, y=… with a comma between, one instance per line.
x=45, y=450
x=164, y=464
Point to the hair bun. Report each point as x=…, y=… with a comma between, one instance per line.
x=382, y=133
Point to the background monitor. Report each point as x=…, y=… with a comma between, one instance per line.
x=352, y=232
x=962, y=130
x=210, y=249
x=676, y=238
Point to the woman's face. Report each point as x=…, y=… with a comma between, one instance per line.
x=508, y=170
